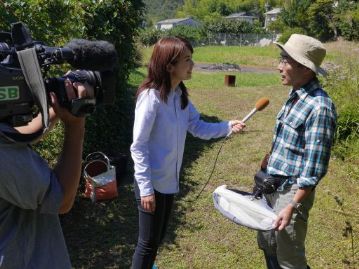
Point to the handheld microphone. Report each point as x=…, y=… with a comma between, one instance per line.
x=92, y=55
x=260, y=105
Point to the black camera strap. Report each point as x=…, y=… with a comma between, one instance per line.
x=33, y=76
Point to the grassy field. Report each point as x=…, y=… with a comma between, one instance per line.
x=104, y=235
x=249, y=56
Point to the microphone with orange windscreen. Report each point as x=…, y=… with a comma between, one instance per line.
x=260, y=105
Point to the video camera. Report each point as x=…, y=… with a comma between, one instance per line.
x=25, y=87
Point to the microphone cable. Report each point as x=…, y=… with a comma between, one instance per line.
x=260, y=105
x=214, y=166
x=212, y=171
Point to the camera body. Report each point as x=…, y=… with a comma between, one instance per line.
x=95, y=60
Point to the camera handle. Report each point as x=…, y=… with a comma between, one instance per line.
x=32, y=72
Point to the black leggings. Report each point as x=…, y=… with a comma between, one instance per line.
x=152, y=229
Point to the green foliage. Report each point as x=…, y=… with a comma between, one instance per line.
x=109, y=129
x=157, y=10
x=295, y=15
x=321, y=21
x=226, y=26
x=56, y=22
x=149, y=36
x=348, y=21
x=193, y=34
x=53, y=22
x=207, y=10
x=288, y=32
x=343, y=86
x=51, y=145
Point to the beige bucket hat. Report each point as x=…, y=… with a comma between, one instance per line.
x=305, y=50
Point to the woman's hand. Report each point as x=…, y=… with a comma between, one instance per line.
x=237, y=126
x=148, y=203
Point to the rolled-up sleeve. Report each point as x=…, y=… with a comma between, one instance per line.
x=319, y=134
x=206, y=130
x=145, y=115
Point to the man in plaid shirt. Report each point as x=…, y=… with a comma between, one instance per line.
x=300, y=154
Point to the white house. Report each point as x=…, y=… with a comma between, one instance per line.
x=170, y=23
x=271, y=16
x=242, y=16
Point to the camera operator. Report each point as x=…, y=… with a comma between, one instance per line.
x=32, y=194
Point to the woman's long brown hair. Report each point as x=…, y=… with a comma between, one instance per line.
x=166, y=51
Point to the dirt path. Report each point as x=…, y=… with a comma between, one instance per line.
x=203, y=67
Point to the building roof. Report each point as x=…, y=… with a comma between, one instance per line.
x=239, y=15
x=274, y=11
x=169, y=21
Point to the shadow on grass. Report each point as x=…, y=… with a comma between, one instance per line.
x=104, y=235
x=190, y=189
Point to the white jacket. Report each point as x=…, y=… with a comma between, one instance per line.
x=159, y=136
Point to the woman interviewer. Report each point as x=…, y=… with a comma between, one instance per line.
x=163, y=116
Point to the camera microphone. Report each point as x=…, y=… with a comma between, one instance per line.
x=92, y=55
x=260, y=105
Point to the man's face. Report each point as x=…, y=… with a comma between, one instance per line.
x=292, y=73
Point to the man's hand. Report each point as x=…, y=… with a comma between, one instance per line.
x=148, y=203
x=283, y=218
x=286, y=213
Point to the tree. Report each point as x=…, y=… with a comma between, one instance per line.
x=324, y=19
x=56, y=22
x=53, y=22
x=295, y=14
x=321, y=20
x=347, y=19
x=207, y=10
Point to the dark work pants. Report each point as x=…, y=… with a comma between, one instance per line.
x=152, y=229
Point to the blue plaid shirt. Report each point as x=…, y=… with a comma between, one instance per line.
x=303, y=136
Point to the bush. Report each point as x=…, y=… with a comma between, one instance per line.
x=109, y=129
x=288, y=32
x=149, y=36
x=343, y=86
x=232, y=27
x=192, y=34
x=349, y=25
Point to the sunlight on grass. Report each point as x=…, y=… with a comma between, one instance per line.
x=254, y=56
x=215, y=80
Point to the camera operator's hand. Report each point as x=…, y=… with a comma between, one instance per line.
x=74, y=90
x=68, y=167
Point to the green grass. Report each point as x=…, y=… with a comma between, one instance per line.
x=104, y=235
x=251, y=56
x=215, y=80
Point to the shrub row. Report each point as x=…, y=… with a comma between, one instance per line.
x=196, y=35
